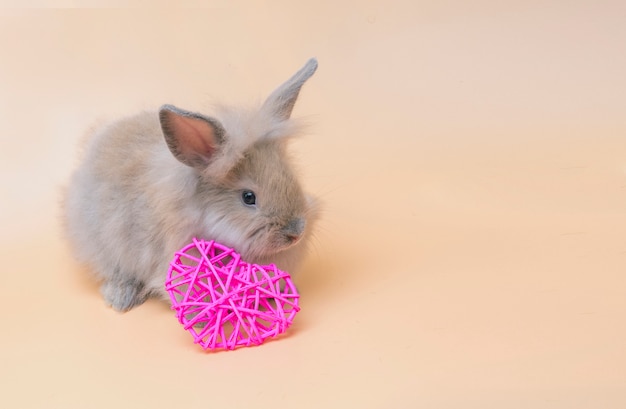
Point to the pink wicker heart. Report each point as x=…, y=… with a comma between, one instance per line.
x=225, y=302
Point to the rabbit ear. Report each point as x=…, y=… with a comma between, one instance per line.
x=280, y=103
x=192, y=138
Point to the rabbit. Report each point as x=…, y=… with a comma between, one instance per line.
x=149, y=183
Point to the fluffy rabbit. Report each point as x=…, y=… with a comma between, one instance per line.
x=151, y=182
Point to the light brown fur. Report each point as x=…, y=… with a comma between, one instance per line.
x=133, y=202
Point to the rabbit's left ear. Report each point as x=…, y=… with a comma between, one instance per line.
x=280, y=103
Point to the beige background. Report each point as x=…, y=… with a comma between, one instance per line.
x=472, y=161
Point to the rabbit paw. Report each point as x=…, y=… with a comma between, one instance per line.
x=124, y=295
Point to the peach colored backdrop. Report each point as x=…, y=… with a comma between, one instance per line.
x=472, y=161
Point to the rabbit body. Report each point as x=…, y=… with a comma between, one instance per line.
x=149, y=183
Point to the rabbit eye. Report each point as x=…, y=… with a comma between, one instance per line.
x=248, y=197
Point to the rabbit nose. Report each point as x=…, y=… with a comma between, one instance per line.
x=294, y=229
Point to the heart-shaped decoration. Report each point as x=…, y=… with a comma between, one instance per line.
x=225, y=302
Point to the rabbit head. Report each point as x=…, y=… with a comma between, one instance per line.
x=248, y=191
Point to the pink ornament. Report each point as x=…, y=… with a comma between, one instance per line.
x=225, y=302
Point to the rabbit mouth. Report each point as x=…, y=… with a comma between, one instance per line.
x=265, y=248
x=292, y=239
x=280, y=242
x=274, y=239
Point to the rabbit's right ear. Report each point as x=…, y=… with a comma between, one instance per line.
x=192, y=138
x=280, y=102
